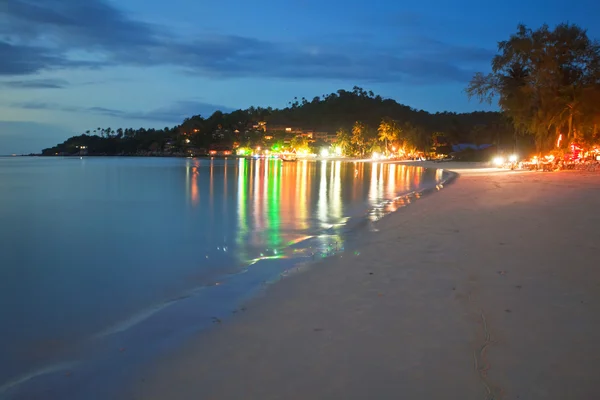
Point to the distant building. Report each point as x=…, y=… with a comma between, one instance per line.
x=307, y=134
x=169, y=146
x=195, y=151
x=325, y=136
x=283, y=128
x=260, y=126
x=219, y=150
x=83, y=150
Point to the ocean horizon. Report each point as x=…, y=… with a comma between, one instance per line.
x=111, y=261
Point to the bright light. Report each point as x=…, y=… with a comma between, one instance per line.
x=338, y=151
x=241, y=151
x=324, y=153
x=258, y=148
x=512, y=158
x=376, y=156
x=187, y=140
x=394, y=148
x=498, y=161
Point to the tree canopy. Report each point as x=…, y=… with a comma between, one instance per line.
x=338, y=112
x=548, y=82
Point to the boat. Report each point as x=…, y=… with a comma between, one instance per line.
x=289, y=157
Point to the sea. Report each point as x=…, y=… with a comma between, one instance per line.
x=108, y=262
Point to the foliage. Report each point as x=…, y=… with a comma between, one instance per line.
x=548, y=83
x=356, y=116
x=389, y=131
x=343, y=140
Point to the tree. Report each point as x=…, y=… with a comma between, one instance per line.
x=388, y=130
x=543, y=80
x=343, y=140
x=299, y=143
x=330, y=113
x=415, y=138
x=478, y=135
x=359, y=136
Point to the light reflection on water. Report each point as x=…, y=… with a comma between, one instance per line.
x=281, y=203
x=87, y=243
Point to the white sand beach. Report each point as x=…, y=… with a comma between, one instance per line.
x=489, y=289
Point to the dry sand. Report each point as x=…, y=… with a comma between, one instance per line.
x=489, y=289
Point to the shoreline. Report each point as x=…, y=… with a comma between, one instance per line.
x=445, y=284
x=148, y=319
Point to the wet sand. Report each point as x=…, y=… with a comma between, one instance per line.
x=489, y=289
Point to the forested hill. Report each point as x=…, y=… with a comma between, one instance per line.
x=327, y=113
x=342, y=109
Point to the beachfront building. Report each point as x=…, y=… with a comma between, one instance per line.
x=287, y=129
x=260, y=126
x=220, y=150
x=326, y=137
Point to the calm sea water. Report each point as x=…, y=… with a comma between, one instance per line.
x=104, y=261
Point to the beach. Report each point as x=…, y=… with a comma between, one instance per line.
x=488, y=289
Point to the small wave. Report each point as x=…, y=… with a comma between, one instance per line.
x=43, y=371
x=139, y=317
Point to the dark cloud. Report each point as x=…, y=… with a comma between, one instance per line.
x=45, y=34
x=69, y=23
x=31, y=59
x=23, y=60
x=36, y=84
x=174, y=113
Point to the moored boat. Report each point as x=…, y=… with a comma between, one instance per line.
x=289, y=157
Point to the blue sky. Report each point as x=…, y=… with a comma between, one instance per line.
x=71, y=65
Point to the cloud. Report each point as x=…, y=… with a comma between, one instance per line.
x=57, y=34
x=75, y=23
x=174, y=113
x=35, y=84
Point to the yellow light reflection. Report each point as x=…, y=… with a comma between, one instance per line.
x=322, y=201
x=303, y=195
x=336, y=193
x=241, y=193
x=391, y=182
x=276, y=208
x=194, y=191
x=373, y=184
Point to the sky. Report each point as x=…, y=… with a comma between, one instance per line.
x=71, y=65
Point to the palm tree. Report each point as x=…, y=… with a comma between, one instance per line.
x=359, y=132
x=388, y=131
x=343, y=140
